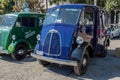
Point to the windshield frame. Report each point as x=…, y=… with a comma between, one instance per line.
x=60, y=12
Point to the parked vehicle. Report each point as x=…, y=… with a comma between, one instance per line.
x=18, y=32
x=71, y=34
x=115, y=31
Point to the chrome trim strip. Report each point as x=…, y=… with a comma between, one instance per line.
x=50, y=42
x=53, y=60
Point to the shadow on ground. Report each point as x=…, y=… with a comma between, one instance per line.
x=99, y=68
x=10, y=59
x=116, y=38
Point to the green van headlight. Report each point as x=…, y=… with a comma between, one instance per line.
x=13, y=37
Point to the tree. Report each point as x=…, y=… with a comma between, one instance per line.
x=82, y=1
x=34, y=5
x=6, y=6
x=56, y=1
x=17, y=6
x=112, y=5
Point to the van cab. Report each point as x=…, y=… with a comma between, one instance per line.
x=19, y=33
x=72, y=34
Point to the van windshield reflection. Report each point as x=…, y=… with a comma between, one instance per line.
x=8, y=20
x=62, y=15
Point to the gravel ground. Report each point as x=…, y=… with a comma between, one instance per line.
x=107, y=68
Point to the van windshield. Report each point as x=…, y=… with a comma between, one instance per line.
x=8, y=20
x=62, y=15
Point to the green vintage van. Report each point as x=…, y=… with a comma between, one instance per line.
x=19, y=33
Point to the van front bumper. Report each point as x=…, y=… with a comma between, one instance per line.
x=54, y=60
x=3, y=51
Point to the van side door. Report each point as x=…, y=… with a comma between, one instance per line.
x=87, y=24
x=30, y=29
x=17, y=29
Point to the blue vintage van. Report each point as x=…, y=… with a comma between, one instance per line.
x=71, y=34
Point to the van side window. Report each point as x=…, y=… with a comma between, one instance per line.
x=25, y=22
x=32, y=22
x=28, y=22
x=89, y=16
x=18, y=22
x=41, y=20
x=103, y=19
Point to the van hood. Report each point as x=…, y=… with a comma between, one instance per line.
x=65, y=33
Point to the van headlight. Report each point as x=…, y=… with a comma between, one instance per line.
x=38, y=37
x=13, y=37
x=79, y=40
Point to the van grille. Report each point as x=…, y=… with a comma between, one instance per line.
x=52, y=45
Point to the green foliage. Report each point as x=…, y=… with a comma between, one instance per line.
x=35, y=5
x=112, y=5
x=9, y=6
x=56, y=1
x=82, y=1
x=6, y=6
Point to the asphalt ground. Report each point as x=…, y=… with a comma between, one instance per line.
x=107, y=68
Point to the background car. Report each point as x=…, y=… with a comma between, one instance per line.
x=115, y=31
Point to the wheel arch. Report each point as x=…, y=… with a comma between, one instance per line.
x=13, y=45
x=79, y=51
x=90, y=50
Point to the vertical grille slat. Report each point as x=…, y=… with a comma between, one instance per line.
x=46, y=43
x=55, y=44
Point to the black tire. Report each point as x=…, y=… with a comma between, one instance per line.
x=43, y=63
x=104, y=52
x=82, y=66
x=20, y=52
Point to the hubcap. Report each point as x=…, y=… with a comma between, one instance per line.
x=21, y=52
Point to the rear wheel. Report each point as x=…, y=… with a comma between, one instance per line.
x=82, y=65
x=43, y=63
x=20, y=52
x=104, y=51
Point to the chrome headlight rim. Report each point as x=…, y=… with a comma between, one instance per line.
x=38, y=37
x=79, y=40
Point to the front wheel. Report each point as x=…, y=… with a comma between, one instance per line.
x=20, y=52
x=82, y=65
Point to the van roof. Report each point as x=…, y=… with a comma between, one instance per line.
x=24, y=13
x=78, y=5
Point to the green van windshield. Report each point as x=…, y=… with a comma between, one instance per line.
x=9, y=20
